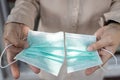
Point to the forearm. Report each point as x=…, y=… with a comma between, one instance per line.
x=25, y=12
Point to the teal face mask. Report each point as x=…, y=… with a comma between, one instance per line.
x=78, y=58
x=47, y=51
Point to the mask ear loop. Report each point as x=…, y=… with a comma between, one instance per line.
x=115, y=58
x=3, y=52
x=102, y=23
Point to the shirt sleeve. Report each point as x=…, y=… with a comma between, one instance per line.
x=25, y=11
x=114, y=13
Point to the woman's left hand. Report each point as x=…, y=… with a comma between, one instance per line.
x=108, y=38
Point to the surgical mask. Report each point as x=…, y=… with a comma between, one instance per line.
x=45, y=51
x=78, y=58
x=48, y=51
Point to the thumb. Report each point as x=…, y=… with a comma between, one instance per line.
x=99, y=44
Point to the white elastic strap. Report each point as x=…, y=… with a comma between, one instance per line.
x=102, y=68
x=112, y=55
x=102, y=24
x=2, y=56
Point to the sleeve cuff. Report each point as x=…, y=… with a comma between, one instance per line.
x=114, y=16
x=21, y=19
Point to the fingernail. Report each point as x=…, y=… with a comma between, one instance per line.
x=89, y=49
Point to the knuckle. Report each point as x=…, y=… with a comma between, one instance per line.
x=16, y=43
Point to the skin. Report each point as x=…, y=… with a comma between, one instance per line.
x=14, y=33
x=108, y=38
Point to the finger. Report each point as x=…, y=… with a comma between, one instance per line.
x=15, y=41
x=11, y=53
x=89, y=71
x=15, y=70
x=99, y=52
x=34, y=69
x=99, y=44
x=18, y=43
x=14, y=67
x=105, y=55
x=99, y=32
x=14, y=50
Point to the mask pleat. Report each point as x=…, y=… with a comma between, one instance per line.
x=48, y=51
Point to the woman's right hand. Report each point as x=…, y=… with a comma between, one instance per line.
x=16, y=33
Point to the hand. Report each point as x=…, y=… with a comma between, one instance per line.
x=15, y=33
x=108, y=38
